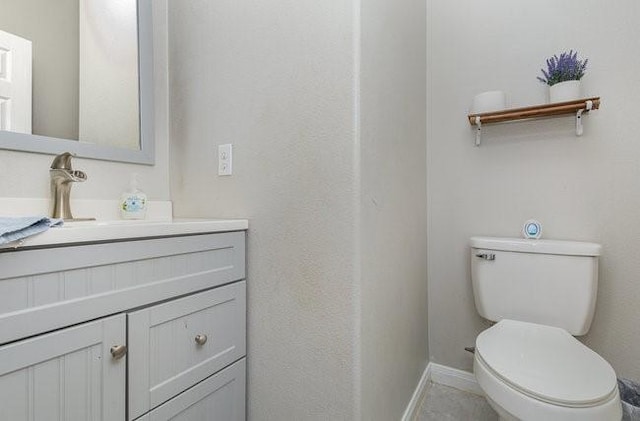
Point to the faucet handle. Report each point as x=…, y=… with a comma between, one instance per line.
x=62, y=161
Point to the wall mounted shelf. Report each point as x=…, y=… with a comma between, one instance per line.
x=577, y=107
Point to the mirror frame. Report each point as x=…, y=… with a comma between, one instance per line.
x=146, y=155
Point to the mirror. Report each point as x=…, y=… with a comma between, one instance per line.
x=77, y=76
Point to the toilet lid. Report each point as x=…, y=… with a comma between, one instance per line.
x=546, y=362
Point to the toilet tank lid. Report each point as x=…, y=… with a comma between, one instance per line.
x=521, y=245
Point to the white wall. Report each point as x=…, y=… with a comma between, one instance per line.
x=27, y=174
x=393, y=205
x=580, y=188
x=276, y=80
x=337, y=238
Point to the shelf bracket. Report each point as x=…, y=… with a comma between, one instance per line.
x=579, y=127
x=478, y=131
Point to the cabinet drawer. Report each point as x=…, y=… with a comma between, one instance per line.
x=219, y=398
x=174, y=345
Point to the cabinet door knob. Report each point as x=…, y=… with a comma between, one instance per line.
x=118, y=351
x=201, y=339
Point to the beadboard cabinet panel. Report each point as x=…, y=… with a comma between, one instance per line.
x=65, y=375
x=181, y=342
x=218, y=398
x=46, y=289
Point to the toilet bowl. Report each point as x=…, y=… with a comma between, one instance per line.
x=530, y=371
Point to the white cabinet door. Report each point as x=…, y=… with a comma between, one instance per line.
x=219, y=398
x=69, y=374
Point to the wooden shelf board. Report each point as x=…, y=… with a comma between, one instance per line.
x=536, y=111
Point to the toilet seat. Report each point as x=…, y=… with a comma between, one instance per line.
x=546, y=363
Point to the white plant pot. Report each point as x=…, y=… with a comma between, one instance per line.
x=565, y=91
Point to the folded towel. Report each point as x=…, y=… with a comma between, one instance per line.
x=14, y=229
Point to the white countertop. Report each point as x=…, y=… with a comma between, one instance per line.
x=108, y=226
x=93, y=231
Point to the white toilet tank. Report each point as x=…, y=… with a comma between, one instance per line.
x=547, y=282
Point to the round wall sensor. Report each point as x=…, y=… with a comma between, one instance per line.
x=532, y=229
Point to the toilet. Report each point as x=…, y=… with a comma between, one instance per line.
x=540, y=293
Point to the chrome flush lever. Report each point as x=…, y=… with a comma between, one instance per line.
x=486, y=256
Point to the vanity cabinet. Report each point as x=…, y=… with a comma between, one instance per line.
x=150, y=329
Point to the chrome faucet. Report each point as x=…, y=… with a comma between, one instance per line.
x=62, y=177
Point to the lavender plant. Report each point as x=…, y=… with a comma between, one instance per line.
x=563, y=68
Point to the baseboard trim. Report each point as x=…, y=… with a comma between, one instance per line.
x=441, y=374
x=452, y=377
x=411, y=413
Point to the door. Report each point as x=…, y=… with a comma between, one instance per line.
x=69, y=374
x=15, y=83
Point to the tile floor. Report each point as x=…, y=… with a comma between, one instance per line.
x=442, y=403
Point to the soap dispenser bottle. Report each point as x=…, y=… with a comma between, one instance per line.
x=133, y=204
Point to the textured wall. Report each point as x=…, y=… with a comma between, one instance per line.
x=580, y=188
x=27, y=174
x=337, y=239
x=276, y=80
x=393, y=203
